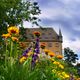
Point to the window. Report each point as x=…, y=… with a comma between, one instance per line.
x=57, y=52
x=56, y=44
x=46, y=37
x=43, y=33
x=50, y=33
x=31, y=36
x=53, y=37
x=49, y=44
x=40, y=37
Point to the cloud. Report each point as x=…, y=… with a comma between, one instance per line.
x=64, y=14
x=27, y=24
x=76, y=28
x=55, y=8
x=73, y=44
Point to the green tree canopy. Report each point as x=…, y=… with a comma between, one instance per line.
x=70, y=56
x=13, y=12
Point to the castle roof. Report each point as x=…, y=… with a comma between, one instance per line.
x=47, y=34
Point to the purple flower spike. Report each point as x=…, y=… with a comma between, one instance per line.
x=37, y=51
x=34, y=57
x=36, y=45
x=33, y=64
x=24, y=54
x=37, y=39
x=26, y=51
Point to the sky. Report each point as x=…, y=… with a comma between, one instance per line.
x=64, y=15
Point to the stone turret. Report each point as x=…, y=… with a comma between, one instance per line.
x=60, y=36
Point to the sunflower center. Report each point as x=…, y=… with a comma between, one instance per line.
x=13, y=31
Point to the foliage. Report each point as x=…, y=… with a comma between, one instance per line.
x=78, y=69
x=70, y=56
x=14, y=12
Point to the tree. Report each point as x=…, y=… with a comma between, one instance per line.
x=14, y=12
x=78, y=68
x=70, y=56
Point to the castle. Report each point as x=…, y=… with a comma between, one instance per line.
x=48, y=36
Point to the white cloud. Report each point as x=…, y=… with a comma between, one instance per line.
x=52, y=13
x=66, y=1
x=27, y=24
x=74, y=45
x=77, y=28
x=69, y=9
x=69, y=1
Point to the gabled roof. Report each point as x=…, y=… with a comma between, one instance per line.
x=47, y=34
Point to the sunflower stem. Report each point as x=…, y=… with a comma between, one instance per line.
x=11, y=51
x=6, y=54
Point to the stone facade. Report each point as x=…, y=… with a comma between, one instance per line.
x=48, y=36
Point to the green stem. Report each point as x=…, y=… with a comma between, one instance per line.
x=6, y=55
x=11, y=50
x=15, y=52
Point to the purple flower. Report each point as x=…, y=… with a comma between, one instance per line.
x=34, y=57
x=33, y=64
x=37, y=39
x=37, y=51
x=26, y=51
x=24, y=54
x=36, y=45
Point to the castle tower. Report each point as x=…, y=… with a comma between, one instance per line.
x=60, y=35
x=60, y=40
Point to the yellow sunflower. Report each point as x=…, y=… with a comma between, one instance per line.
x=22, y=59
x=59, y=56
x=6, y=35
x=65, y=75
x=36, y=33
x=14, y=39
x=51, y=54
x=13, y=30
x=56, y=63
x=46, y=51
x=61, y=66
x=43, y=45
